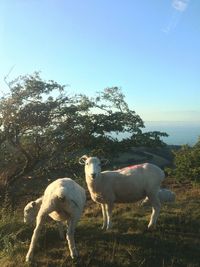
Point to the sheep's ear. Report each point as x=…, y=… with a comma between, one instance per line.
x=83, y=159
x=33, y=203
x=104, y=162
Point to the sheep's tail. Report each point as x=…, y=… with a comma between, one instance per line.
x=62, y=197
x=160, y=173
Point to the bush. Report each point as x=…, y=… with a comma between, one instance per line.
x=187, y=162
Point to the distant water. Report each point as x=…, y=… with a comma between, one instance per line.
x=180, y=133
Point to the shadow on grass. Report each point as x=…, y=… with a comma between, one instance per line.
x=157, y=248
x=175, y=243
x=127, y=244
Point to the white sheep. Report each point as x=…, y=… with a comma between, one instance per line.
x=126, y=185
x=165, y=196
x=31, y=211
x=63, y=201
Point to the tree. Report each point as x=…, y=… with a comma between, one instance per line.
x=44, y=130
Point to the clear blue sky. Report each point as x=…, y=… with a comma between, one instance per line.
x=151, y=49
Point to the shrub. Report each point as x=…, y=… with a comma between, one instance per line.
x=187, y=161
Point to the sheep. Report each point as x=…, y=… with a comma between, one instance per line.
x=63, y=201
x=164, y=195
x=31, y=211
x=126, y=185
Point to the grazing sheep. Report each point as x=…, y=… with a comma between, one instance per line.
x=126, y=185
x=165, y=196
x=63, y=200
x=31, y=211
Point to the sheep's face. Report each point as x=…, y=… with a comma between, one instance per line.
x=92, y=167
x=30, y=212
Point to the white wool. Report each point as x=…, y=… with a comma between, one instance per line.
x=165, y=196
x=122, y=186
x=63, y=201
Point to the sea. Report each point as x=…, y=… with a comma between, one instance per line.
x=180, y=132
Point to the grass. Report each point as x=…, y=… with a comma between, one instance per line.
x=175, y=241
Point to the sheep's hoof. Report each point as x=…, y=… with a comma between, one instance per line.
x=151, y=227
x=29, y=259
x=29, y=256
x=103, y=227
x=74, y=255
x=109, y=226
x=76, y=260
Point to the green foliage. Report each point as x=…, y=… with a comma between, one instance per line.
x=10, y=226
x=43, y=130
x=187, y=161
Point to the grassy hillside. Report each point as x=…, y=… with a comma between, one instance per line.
x=161, y=156
x=175, y=242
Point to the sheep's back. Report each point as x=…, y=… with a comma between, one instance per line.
x=67, y=189
x=121, y=188
x=132, y=184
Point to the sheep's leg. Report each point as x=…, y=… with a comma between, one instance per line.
x=109, y=208
x=70, y=236
x=103, y=207
x=39, y=221
x=155, y=202
x=61, y=230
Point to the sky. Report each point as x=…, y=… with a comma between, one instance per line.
x=150, y=49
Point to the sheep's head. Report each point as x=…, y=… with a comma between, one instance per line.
x=30, y=212
x=92, y=165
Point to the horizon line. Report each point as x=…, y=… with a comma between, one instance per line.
x=182, y=121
